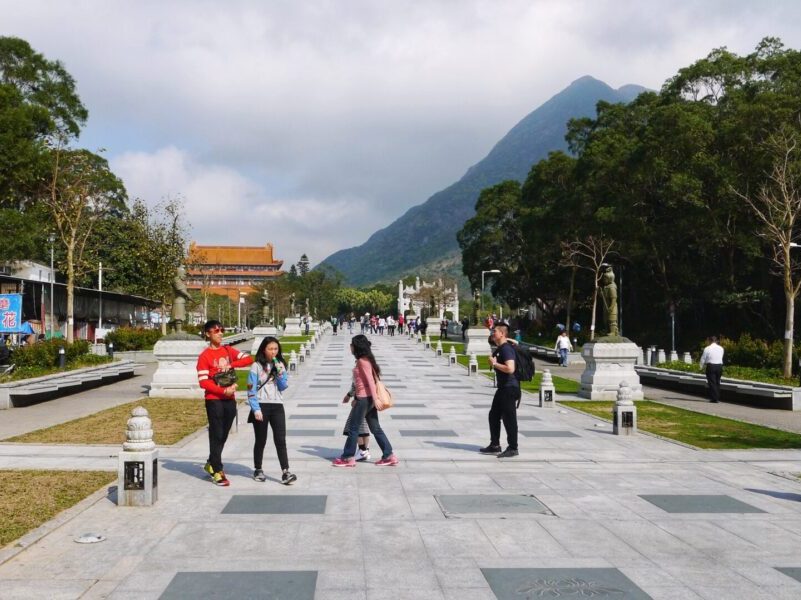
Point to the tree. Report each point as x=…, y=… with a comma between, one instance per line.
x=590, y=254
x=777, y=206
x=82, y=191
x=303, y=265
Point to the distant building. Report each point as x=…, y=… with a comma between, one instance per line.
x=231, y=270
x=435, y=298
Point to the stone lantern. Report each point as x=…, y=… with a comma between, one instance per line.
x=624, y=412
x=427, y=343
x=137, y=473
x=547, y=393
x=293, y=361
x=439, y=348
x=472, y=365
x=452, y=356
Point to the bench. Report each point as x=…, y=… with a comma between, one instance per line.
x=39, y=389
x=735, y=391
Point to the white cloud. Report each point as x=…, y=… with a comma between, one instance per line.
x=357, y=107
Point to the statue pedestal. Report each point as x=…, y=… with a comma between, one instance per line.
x=292, y=326
x=477, y=341
x=176, y=375
x=608, y=364
x=261, y=332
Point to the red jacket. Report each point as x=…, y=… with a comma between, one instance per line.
x=213, y=360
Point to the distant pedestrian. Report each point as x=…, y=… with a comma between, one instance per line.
x=465, y=327
x=266, y=380
x=712, y=363
x=382, y=325
x=563, y=346
x=443, y=329
x=364, y=375
x=504, y=403
x=391, y=326
x=220, y=402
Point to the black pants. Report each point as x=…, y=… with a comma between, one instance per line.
x=221, y=415
x=272, y=415
x=713, y=374
x=504, y=407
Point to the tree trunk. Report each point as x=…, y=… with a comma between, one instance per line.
x=594, y=305
x=70, y=293
x=570, y=299
x=789, y=300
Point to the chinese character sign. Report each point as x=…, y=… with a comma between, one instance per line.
x=10, y=313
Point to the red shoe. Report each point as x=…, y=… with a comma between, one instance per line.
x=389, y=461
x=344, y=462
x=220, y=479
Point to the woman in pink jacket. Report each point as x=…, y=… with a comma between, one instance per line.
x=364, y=376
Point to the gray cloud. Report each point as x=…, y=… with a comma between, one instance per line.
x=312, y=124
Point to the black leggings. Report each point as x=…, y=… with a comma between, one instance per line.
x=221, y=415
x=272, y=414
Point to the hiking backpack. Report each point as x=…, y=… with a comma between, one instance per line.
x=524, y=363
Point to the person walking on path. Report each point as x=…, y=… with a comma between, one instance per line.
x=266, y=380
x=504, y=403
x=220, y=402
x=712, y=363
x=563, y=346
x=443, y=329
x=364, y=375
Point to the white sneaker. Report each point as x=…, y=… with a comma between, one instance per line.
x=362, y=455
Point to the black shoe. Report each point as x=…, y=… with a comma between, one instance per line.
x=259, y=475
x=490, y=449
x=508, y=453
x=288, y=478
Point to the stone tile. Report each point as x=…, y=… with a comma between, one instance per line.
x=292, y=585
x=511, y=584
x=314, y=417
x=415, y=417
x=275, y=505
x=310, y=432
x=490, y=504
x=428, y=433
x=699, y=503
x=548, y=434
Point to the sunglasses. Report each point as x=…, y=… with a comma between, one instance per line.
x=217, y=330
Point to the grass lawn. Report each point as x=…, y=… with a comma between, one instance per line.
x=294, y=338
x=446, y=345
x=30, y=498
x=173, y=419
x=20, y=373
x=764, y=375
x=703, y=431
x=562, y=385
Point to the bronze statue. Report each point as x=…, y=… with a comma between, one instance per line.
x=609, y=298
x=476, y=304
x=265, y=310
x=292, y=304
x=181, y=295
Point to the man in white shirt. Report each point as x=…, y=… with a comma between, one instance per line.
x=712, y=359
x=563, y=346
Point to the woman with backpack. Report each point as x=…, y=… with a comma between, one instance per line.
x=365, y=374
x=266, y=380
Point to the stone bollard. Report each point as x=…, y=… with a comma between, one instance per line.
x=312, y=342
x=547, y=392
x=293, y=361
x=137, y=473
x=674, y=356
x=624, y=413
x=472, y=365
x=308, y=350
x=652, y=361
x=419, y=337
x=427, y=343
x=302, y=353
x=648, y=356
x=452, y=356
x=660, y=356
x=439, y=348
x=687, y=358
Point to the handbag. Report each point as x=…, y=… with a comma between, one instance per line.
x=225, y=378
x=383, y=397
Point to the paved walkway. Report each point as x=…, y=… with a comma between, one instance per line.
x=579, y=511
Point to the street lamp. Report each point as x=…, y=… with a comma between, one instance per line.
x=482, y=286
x=100, y=291
x=51, y=238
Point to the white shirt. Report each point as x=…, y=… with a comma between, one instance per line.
x=563, y=342
x=713, y=355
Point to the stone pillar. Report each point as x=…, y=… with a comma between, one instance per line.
x=607, y=364
x=176, y=375
x=439, y=348
x=624, y=413
x=293, y=361
x=452, y=356
x=674, y=356
x=547, y=394
x=137, y=471
x=259, y=333
x=427, y=343
x=687, y=358
x=472, y=365
x=648, y=354
x=660, y=356
x=477, y=341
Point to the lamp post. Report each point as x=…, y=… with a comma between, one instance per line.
x=100, y=291
x=482, y=286
x=51, y=238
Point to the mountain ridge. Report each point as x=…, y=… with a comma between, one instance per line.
x=417, y=238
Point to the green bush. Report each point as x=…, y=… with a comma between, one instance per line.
x=128, y=338
x=45, y=353
x=756, y=353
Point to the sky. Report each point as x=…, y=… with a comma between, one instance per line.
x=311, y=124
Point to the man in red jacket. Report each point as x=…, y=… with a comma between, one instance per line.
x=220, y=401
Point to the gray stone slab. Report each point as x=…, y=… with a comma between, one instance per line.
x=481, y=405
x=419, y=417
x=310, y=432
x=794, y=572
x=549, y=434
x=292, y=585
x=251, y=504
x=312, y=416
x=318, y=404
x=699, y=503
x=515, y=584
x=431, y=433
x=520, y=417
x=490, y=503
x=456, y=387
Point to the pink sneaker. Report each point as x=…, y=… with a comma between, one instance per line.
x=389, y=461
x=344, y=462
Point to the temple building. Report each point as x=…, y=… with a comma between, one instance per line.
x=231, y=270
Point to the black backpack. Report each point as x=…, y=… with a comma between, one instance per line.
x=524, y=363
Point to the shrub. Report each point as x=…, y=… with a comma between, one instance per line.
x=45, y=353
x=128, y=338
x=756, y=353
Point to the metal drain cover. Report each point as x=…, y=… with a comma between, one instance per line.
x=89, y=538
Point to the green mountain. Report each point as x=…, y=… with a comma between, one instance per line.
x=423, y=241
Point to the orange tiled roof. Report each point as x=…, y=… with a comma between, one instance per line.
x=235, y=255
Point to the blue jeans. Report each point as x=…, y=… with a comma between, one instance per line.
x=563, y=357
x=364, y=409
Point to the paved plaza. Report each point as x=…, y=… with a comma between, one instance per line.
x=580, y=513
